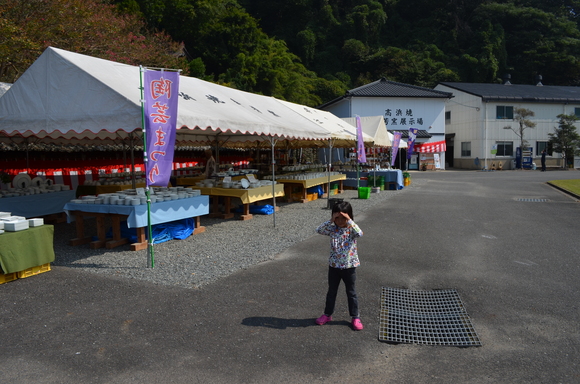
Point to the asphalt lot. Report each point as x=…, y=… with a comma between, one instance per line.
x=514, y=264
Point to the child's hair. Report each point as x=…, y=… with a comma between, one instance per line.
x=343, y=206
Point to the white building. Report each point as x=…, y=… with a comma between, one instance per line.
x=403, y=106
x=478, y=115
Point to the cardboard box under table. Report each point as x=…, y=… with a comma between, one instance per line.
x=303, y=185
x=136, y=216
x=247, y=196
x=26, y=249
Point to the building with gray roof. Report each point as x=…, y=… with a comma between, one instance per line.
x=481, y=132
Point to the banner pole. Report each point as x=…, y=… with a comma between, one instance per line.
x=150, y=251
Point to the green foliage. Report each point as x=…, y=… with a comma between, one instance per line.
x=307, y=51
x=84, y=26
x=521, y=117
x=536, y=42
x=565, y=139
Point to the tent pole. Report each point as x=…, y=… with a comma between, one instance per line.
x=27, y=157
x=328, y=170
x=273, y=143
x=131, y=148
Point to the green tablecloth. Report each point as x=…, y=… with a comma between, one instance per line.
x=26, y=249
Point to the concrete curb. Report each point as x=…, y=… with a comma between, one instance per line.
x=564, y=190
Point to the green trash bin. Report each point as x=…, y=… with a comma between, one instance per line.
x=364, y=192
x=381, y=182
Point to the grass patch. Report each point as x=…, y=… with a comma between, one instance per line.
x=569, y=185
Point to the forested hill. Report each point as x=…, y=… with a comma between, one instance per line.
x=307, y=51
x=422, y=42
x=345, y=43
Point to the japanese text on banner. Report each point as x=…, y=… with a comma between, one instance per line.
x=161, y=99
x=411, y=141
x=396, y=142
x=361, y=153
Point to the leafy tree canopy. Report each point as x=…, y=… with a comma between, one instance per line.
x=84, y=26
x=307, y=51
x=565, y=139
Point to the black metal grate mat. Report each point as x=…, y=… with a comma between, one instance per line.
x=425, y=317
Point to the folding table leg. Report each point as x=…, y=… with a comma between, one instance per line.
x=80, y=227
x=141, y=240
x=117, y=239
x=198, y=228
x=246, y=213
x=101, y=232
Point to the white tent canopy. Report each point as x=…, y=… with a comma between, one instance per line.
x=69, y=95
x=373, y=126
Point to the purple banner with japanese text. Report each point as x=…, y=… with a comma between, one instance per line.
x=361, y=153
x=161, y=90
x=411, y=141
x=396, y=142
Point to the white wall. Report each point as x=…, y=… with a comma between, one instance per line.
x=340, y=108
x=427, y=114
x=476, y=122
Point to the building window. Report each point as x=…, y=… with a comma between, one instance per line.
x=505, y=148
x=448, y=117
x=466, y=149
x=504, y=112
x=541, y=145
x=577, y=112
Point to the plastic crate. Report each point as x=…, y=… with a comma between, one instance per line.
x=34, y=271
x=312, y=196
x=364, y=192
x=8, y=277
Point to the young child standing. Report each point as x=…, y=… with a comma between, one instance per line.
x=343, y=261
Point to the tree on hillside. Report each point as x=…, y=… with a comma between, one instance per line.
x=521, y=116
x=536, y=41
x=84, y=26
x=221, y=37
x=565, y=139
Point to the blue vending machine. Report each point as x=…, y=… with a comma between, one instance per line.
x=527, y=158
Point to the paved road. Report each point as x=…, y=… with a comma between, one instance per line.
x=514, y=264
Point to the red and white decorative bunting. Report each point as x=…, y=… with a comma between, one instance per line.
x=438, y=146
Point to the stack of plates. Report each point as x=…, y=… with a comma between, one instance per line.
x=22, y=180
x=37, y=182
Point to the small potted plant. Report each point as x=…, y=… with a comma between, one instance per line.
x=406, y=178
x=4, y=178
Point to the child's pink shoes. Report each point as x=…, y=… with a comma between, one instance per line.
x=323, y=319
x=357, y=324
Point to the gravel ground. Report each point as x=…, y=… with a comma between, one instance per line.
x=206, y=257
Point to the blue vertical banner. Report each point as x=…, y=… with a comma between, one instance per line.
x=411, y=141
x=161, y=89
x=361, y=153
x=396, y=142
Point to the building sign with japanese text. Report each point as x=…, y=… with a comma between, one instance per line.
x=401, y=117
